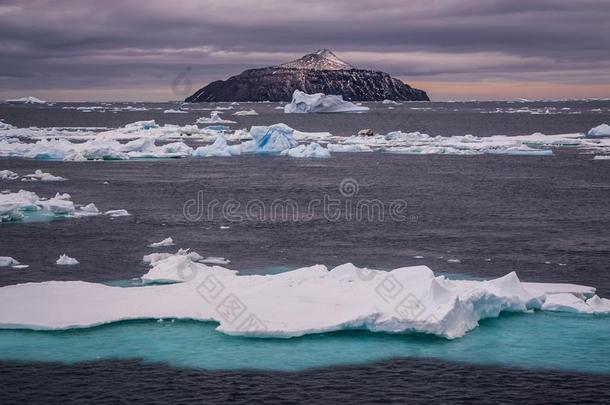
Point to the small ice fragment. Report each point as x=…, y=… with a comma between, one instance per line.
x=117, y=213
x=488, y=259
x=453, y=261
x=39, y=175
x=418, y=257
x=26, y=100
x=215, y=260
x=6, y=261
x=164, y=242
x=224, y=227
x=8, y=175
x=65, y=260
x=245, y=112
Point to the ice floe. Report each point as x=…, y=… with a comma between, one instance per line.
x=320, y=103
x=6, y=261
x=419, y=143
x=163, y=243
x=65, y=260
x=304, y=301
x=26, y=100
x=600, y=130
x=174, y=111
x=117, y=213
x=26, y=205
x=8, y=175
x=214, y=118
x=39, y=175
x=95, y=149
x=245, y=112
x=313, y=150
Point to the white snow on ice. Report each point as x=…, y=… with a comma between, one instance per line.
x=299, y=302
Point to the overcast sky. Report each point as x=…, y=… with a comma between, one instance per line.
x=162, y=50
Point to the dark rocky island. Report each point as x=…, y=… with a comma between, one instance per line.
x=319, y=72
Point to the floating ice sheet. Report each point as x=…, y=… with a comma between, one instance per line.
x=308, y=300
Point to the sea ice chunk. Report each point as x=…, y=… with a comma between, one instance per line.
x=320, y=103
x=245, y=112
x=214, y=119
x=163, y=243
x=117, y=213
x=273, y=139
x=313, y=150
x=17, y=206
x=219, y=148
x=6, y=261
x=8, y=175
x=600, y=130
x=39, y=175
x=65, y=260
x=26, y=100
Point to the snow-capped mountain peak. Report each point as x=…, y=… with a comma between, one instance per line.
x=322, y=59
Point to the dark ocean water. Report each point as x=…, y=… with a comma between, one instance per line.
x=520, y=212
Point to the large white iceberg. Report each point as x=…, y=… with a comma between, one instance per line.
x=320, y=103
x=299, y=302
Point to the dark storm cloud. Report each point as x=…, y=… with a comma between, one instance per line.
x=78, y=44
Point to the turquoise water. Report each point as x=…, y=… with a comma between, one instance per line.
x=539, y=340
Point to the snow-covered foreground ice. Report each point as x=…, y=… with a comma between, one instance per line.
x=320, y=103
x=28, y=206
x=309, y=300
